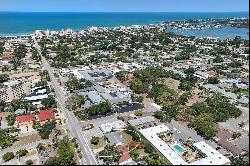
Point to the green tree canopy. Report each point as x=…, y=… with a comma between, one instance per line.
x=22, y=152
x=205, y=125
x=163, y=95
x=29, y=162
x=155, y=159
x=49, y=102
x=75, y=84
x=4, y=78
x=11, y=118
x=100, y=109
x=138, y=86
x=109, y=150
x=65, y=153
x=75, y=101
x=45, y=130
x=121, y=75
x=240, y=160
x=218, y=59
x=8, y=156
x=6, y=139
x=94, y=140
x=213, y=80
x=134, y=153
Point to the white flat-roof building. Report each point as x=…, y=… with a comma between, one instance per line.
x=151, y=135
x=213, y=157
x=108, y=127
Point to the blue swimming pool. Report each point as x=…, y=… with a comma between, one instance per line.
x=179, y=149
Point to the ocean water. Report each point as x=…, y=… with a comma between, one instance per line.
x=15, y=23
x=220, y=33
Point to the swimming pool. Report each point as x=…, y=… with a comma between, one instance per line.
x=179, y=149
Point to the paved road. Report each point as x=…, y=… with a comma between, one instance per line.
x=71, y=121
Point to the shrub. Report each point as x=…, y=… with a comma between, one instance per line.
x=22, y=152
x=138, y=113
x=29, y=162
x=95, y=140
x=8, y=156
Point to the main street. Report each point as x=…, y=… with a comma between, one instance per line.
x=71, y=121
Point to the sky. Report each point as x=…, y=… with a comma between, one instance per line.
x=124, y=5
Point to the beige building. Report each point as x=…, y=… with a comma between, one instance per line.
x=14, y=89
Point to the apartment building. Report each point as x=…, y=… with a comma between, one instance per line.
x=14, y=89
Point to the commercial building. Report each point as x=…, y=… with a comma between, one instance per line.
x=97, y=75
x=112, y=92
x=38, y=94
x=94, y=97
x=108, y=127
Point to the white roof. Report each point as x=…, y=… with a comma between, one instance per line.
x=151, y=135
x=39, y=97
x=213, y=157
x=156, y=106
x=41, y=91
x=114, y=125
x=36, y=102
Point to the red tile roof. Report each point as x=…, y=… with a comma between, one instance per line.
x=235, y=150
x=124, y=152
x=25, y=118
x=224, y=137
x=46, y=115
x=135, y=144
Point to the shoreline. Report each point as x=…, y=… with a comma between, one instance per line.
x=28, y=34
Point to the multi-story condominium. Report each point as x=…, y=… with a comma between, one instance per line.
x=14, y=89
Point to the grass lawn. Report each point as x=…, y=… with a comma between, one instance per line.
x=102, y=143
x=27, y=139
x=126, y=137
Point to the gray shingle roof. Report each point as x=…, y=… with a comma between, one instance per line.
x=140, y=121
